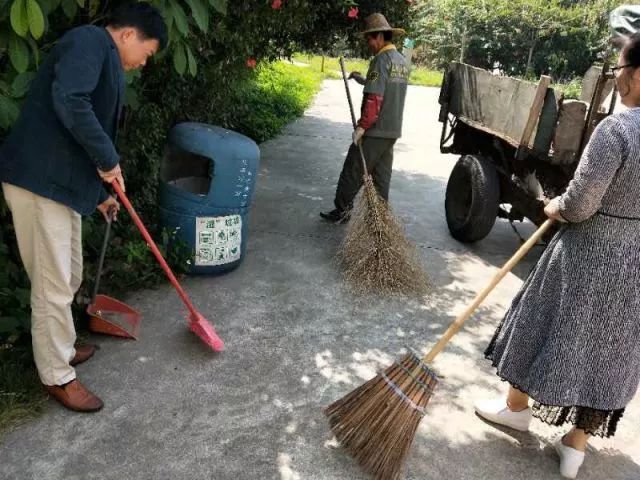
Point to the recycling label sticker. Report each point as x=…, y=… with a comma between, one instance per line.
x=218, y=240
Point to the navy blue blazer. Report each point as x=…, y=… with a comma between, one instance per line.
x=68, y=123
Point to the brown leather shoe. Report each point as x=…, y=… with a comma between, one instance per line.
x=83, y=353
x=75, y=396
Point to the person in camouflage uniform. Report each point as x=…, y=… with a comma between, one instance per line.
x=380, y=124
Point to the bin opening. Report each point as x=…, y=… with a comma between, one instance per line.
x=187, y=171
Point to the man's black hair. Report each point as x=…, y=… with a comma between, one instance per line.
x=145, y=18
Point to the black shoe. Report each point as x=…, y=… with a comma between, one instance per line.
x=335, y=216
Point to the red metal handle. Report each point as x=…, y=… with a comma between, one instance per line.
x=127, y=204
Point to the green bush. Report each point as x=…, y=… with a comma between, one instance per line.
x=14, y=285
x=279, y=94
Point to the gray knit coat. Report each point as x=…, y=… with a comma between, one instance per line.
x=572, y=334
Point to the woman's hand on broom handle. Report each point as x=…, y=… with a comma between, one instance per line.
x=552, y=210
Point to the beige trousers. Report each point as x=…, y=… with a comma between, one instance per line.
x=50, y=243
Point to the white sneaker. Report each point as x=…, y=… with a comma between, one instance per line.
x=496, y=411
x=570, y=459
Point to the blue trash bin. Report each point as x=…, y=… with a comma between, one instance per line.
x=207, y=181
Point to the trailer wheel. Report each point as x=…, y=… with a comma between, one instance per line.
x=472, y=198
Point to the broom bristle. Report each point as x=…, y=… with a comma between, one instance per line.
x=375, y=254
x=376, y=423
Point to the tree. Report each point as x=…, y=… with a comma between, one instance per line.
x=518, y=37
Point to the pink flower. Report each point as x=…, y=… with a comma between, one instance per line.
x=251, y=62
x=276, y=4
x=353, y=12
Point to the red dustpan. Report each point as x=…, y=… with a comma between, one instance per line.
x=111, y=317
x=108, y=315
x=197, y=323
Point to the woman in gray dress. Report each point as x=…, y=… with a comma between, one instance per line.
x=571, y=338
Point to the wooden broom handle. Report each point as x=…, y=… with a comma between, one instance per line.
x=346, y=87
x=464, y=316
x=353, y=115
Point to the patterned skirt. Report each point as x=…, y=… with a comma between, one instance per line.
x=571, y=337
x=601, y=423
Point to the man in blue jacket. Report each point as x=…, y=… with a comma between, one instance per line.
x=52, y=169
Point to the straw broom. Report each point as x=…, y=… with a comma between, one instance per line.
x=377, y=422
x=375, y=254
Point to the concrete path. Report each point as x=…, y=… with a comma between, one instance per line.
x=296, y=342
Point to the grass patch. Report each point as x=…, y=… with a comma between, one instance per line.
x=331, y=65
x=21, y=394
x=425, y=77
x=419, y=76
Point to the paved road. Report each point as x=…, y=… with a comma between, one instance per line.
x=296, y=342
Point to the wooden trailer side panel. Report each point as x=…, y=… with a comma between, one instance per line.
x=500, y=105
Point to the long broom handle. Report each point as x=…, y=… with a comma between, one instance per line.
x=353, y=115
x=346, y=87
x=152, y=245
x=103, y=252
x=464, y=316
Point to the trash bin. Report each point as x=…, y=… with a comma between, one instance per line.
x=207, y=181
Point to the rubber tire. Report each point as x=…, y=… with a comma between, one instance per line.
x=472, y=199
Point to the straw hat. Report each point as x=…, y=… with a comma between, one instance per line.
x=376, y=22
